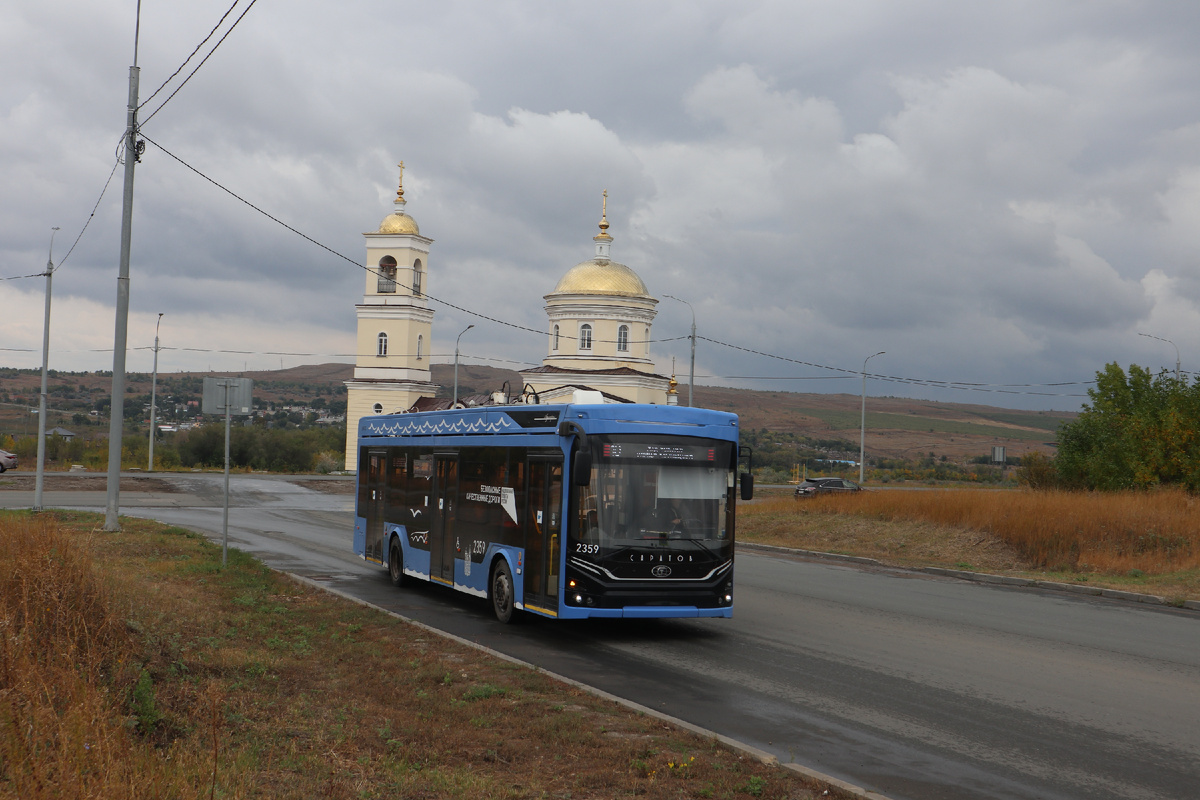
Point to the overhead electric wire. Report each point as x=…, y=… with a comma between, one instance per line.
x=933, y=383
x=959, y=385
x=198, y=66
x=189, y=58
x=88, y=222
x=365, y=268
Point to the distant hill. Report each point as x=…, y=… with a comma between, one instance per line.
x=896, y=427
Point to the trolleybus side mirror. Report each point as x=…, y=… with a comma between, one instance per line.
x=581, y=467
x=747, y=478
x=747, y=486
x=581, y=455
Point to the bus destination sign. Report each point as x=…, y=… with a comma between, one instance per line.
x=640, y=451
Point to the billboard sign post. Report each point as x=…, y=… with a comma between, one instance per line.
x=227, y=396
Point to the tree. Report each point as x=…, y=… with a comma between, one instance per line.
x=1139, y=431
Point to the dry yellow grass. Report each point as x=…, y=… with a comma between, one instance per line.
x=1149, y=539
x=67, y=662
x=135, y=666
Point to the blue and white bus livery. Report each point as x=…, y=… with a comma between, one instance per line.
x=565, y=511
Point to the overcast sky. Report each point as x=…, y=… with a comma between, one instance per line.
x=1002, y=194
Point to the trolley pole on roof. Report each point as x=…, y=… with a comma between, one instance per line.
x=121, y=335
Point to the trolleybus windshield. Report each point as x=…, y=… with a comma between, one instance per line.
x=647, y=492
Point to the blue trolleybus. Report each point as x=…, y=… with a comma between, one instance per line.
x=565, y=511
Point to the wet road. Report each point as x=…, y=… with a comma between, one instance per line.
x=913, y=686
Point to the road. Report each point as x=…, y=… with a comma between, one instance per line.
x=911, y=685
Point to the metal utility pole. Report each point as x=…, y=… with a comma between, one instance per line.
x=41, y=455
x=1168, y=341
x=862, y=433
x=454, y=402
x=225, y=514
x=154, y=391
x=692, y=374
x=121, y=334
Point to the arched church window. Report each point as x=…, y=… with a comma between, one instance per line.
x=382, y=350
x=623, y=339
x=585, y=337
x=420, y=346
x=379, y=408
x=554, y=341
x=387, y=275
x=417, y=275
x=647, y=340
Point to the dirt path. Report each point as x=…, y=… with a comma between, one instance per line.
x=74, y=482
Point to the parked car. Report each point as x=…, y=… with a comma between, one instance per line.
x=814, y=486
x=7, y=460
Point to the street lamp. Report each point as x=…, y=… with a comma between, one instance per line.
x=41, y=451
x=1168, y=341
x=454, y=402
x=862, y=433
x=692, y=375
x=154, y=391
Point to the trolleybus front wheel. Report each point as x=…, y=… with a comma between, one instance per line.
x=396, y=563
x=502, y=595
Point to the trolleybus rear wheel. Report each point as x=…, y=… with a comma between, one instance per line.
x=396, y=563
x=502, y=594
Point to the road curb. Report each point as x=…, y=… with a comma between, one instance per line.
x=733, y=744
x=982, y=577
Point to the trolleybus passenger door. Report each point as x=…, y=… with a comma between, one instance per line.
x=374, y=510
x=441, y=532
x=543, y=535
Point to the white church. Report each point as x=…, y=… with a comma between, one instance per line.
x=599, y=320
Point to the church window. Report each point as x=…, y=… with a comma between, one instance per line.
x=417, y=278
x=379, y=408
x=382, y=350
x=623, y=339
x=554, y=341
x=647, y=340
x=420, y=346
x=585, y=337
x=387, y=275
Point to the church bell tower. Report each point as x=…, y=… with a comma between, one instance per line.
x=391, y=367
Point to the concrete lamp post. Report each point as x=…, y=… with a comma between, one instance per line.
x=1168, y=341
x=692, y=373
x=41, y=448
x=862, y=433
x=454, y=400
x=154, y=392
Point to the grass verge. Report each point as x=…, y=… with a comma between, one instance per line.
x=1145, y=542
x=133, y=666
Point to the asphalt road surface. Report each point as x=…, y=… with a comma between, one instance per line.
x=911, y=685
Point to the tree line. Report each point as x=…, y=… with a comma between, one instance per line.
x=254, y=447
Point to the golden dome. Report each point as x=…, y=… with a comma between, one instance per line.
x=399, y=223
x=601, y=276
